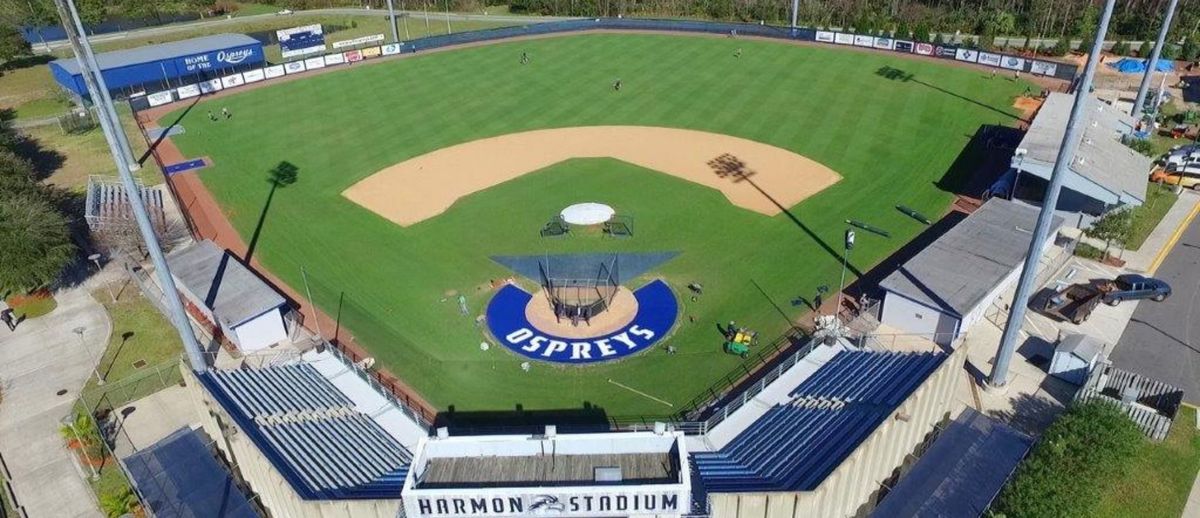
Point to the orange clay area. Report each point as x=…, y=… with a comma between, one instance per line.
x=621, y=310
x=752, y=175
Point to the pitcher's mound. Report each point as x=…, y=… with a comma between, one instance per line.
x=620, y=313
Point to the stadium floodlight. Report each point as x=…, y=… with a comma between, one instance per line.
x=1066, y=153
x=110, y=127
x=1152, y=64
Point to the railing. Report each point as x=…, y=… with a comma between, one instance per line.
x=718, y=414
x=412, y=411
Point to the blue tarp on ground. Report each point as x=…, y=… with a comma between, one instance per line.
x=180, y=478
x=1138, y=66
x=626, y=266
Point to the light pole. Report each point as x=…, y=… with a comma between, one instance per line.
x=95, y=362
x=448, y=31
x=1020, y=152
x=847, y=246
x=70, y=423
x=95, y=259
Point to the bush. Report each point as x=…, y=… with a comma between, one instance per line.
x=1141, y=145
x=1144, y=50
x=1087, y=251
x=1120, y=48
x=1189, y=51
x=1085, y=450
x=1062, y=46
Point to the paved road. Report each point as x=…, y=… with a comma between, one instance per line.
x=217, y=22
x=41, y=358
x=1163, y=339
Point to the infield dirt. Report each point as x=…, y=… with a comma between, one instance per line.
x=752, y=175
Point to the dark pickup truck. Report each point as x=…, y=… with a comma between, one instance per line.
x=1075, y=302
x=1135, y=287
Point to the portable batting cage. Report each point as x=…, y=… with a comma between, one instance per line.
x=579, y=290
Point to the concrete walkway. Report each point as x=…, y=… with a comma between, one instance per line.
x=42, y=357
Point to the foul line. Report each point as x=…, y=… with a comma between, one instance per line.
x=1162, y=254
x=640, y=393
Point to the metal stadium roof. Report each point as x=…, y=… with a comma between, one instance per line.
x=161, y=51
x=959, y=269
x=231, y=291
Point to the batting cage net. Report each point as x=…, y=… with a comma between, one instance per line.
x=578, y=292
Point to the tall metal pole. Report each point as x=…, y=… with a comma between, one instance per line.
x=122, y=139
x=392, y=19
x=1150, y=65
x=795, y=10
x=448, y=31
x=136, y=204
x=1066, y=155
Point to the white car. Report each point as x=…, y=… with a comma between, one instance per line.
x=1185, y=155
x=284, y=12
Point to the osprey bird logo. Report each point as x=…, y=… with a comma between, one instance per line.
x=546, y=504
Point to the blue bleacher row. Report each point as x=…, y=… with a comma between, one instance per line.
x=793, y=447
x=324, y=455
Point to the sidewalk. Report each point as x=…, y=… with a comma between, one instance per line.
x=40, y=359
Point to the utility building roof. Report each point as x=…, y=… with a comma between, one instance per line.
x=162, y=51
x=1103, y=167
x=958, y=270
x=228, y=289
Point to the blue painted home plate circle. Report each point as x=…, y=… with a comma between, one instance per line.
x=656, y=313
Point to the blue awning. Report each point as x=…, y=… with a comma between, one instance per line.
x=180, y=478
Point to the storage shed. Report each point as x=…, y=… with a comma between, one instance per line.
x=949, y=285
x=1075, y=356
x=249, y=312
x=163, y=66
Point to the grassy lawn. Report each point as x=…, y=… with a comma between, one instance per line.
x=74, y=157
x=142, y=340
x=28, y=89
x=1159, y=200
x=893, y=141
x=31, y=306
x=1161, y=476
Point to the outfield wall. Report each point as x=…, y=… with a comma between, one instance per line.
x=1008, y=63
x=853, y=489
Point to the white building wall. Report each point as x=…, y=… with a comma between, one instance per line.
x=261, y=332
x=272, y=490
x=910, y=316
x=853, y=486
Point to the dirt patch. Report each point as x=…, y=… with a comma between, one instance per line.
x=1028, y=106
x=620, y=312
x=752, y=175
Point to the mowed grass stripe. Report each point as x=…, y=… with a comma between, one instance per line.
x=890, y=140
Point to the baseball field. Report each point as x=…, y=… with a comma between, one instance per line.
x=843, y=135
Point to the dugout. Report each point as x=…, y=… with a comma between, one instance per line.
x=163, y=66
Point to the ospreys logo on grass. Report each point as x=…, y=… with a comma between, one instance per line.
x=657, y=311
x=549, y=505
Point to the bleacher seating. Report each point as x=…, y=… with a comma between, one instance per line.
x=795, y=445
x=311, y=432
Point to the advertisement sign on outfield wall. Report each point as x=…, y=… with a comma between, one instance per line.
x=945, y=52
x=296, y=67
x=274, y=71
x=371, y=52
x=334, y=59
x=312, y=63
x=904, y=46
x=1013, y=63
x=210, y=86
x=987, y=58
x=924, y=49
x=1043, y=68
x=825, y=36
x=863, y=41
x=231, y=81
x=187, y=92
x=842, y=38
x=390, y=49
x=159, y=98
x=885, y=43
x=358, y=41
x=254, y=76
x=966, y=55
x=352, y=56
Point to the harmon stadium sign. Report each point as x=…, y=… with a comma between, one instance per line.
x=656, y=314
x=666, y=502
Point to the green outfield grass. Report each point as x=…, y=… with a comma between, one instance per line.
x=894, y=141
